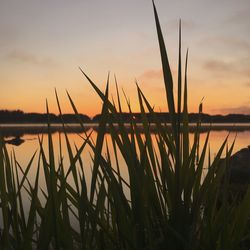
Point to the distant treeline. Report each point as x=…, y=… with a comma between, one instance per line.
x=193, y=118
x=19, y=116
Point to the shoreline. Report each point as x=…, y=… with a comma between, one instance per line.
x=22, y=129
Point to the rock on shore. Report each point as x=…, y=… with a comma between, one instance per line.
x=240, y=167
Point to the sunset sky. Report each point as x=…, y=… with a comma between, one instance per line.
x=43, y=42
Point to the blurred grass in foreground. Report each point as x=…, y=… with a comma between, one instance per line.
x=167, y=203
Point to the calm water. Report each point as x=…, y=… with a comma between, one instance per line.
x=25, y=151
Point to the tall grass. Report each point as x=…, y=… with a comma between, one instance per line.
x=169, y=202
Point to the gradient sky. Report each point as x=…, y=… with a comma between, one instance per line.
x=42, y=43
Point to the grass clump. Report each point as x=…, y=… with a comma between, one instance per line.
x=166, y=203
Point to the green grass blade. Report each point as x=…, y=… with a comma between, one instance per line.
x=166, y=72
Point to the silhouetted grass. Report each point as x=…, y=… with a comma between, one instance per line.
x=168, y=202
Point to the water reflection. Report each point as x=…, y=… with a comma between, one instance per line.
x=23, y=154
x=24, y=151
x=18, y=134
x=19, y=130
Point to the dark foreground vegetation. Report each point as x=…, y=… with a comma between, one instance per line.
x=173, y=198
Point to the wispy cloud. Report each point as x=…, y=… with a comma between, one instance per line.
x=155, y=74
x=22, y=56
x=151, y=74
x=227, y=42
x=216, y=65
x=235, y=43
x=237, y=67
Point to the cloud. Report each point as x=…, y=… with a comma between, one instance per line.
x=155, y=74
x=216, y=65
x=245, y=66
x=236, y=110
x=235, y=43
x=247, y=84
x=231, y=43
x=151, y=74
x=22, y=56
x=240, y=67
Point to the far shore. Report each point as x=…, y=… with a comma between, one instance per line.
x=42, y=128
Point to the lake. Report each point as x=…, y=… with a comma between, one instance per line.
x=30, y=145
x=25, y=151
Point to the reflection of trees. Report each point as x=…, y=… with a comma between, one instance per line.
x=19, y=131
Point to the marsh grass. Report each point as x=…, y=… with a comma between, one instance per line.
x=166, y=203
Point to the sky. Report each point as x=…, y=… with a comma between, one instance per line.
x=42, y=44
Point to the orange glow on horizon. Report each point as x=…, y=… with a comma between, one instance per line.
x=87, y=101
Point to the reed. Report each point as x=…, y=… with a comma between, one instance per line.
x=168, y=201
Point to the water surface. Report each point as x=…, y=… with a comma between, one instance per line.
x=25, y=151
